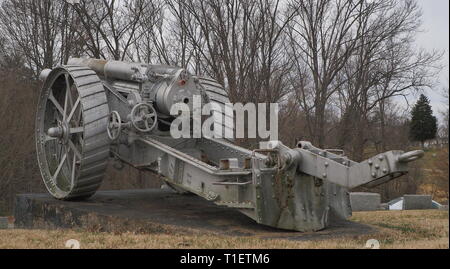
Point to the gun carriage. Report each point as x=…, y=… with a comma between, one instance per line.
x=91, y=110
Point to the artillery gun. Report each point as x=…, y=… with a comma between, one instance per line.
x=91, y=110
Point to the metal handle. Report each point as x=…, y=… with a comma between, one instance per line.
x=147, y=117
x=411, y=156
x=115, y=126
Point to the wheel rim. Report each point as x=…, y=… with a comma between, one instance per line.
x=61, y=132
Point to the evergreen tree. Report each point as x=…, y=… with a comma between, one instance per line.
x=423, y=125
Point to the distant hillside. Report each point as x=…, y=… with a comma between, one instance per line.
x=435, y=166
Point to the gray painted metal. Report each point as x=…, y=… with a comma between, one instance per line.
x=218, y=97
x=301, y=189
x=365, y=201
x=416, y=201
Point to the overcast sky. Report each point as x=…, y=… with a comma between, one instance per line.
x=436, y=36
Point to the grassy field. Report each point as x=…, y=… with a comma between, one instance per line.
x=394, y=229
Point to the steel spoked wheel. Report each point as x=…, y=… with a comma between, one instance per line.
x=71, y=138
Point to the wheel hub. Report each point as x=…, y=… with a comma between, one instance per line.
x=56, y=132
x=60, y=132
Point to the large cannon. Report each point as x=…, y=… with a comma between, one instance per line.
x=92, y=110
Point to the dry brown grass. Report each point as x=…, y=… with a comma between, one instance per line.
x=395, y=229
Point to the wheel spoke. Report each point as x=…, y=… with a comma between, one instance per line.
x=75, y=150
x=69, y=160
x=66, y=104
x=59, y=150
x=68, y=89
x=72, y=177
x=74, y=108
x=63, y=160
x=76, y=130
x=49, y=138
x=55, y=102
x=55, y=146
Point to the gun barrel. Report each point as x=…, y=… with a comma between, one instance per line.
x=112, y=69
x=97, y=65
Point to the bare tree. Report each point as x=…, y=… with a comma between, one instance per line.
x=38, y=30
x=354, y=55
x=238, y=43
x=385, y=65
x=445, y=113
x=110, y=28
x=162, y=39
x=323, y=36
